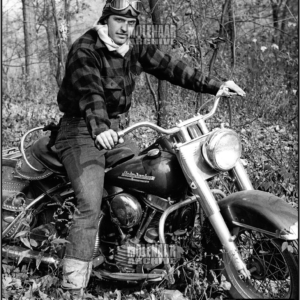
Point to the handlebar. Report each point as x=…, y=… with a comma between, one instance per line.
x=222, y=92
x=178, y=126
x=150, y=125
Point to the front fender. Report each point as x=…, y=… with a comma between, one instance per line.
x=262, y=212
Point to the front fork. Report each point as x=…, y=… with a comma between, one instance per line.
x=209, y=204
x=239, y=174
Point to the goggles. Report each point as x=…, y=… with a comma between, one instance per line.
x=123, y=4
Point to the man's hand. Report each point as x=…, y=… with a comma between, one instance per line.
x=229, y=88
x=107, y=140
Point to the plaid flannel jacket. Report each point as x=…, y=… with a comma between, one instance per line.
x=98, y=83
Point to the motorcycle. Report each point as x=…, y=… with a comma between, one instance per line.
x=149, y=208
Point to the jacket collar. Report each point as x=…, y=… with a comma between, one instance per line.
x=99, y=43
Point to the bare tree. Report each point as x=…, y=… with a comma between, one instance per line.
x=5, y=55
x=60, y=47
x=50, y=29
x=68, y=22
x=157, y=9
x=220, y=39
x=275, y=10
x=231, y=33
x=283, y=24
x=30, y=38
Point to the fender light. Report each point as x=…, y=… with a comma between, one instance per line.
x=222, y=149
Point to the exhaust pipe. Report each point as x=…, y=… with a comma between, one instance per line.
x=15, y=252
x=132, y=276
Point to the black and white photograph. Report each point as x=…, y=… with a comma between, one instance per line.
x=150, y=149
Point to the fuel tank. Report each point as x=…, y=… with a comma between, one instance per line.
x=157, y=172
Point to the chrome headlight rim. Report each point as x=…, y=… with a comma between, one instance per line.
x=211, y=143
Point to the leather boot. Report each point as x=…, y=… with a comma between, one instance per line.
x=76, y=275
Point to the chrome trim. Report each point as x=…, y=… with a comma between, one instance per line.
x=203, y=127
x=121, y=133
x=161, y=227
x=130, y=276
x=255, y=228
x=15, y=252
x=210, y=206
x=208, y=148
x=283, y=234
x=179, y=145
x=126, y=210
x=239, y=173
x=161, y=231
x=227, y=241
x=198, y=118
x=23, y=213
x=212, y=112
x=22, y=147
x=188, y=157
x=184, y=133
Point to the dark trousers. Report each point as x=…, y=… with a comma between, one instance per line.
x=85, y=166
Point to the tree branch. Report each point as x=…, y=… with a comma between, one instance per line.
x=232, y=33
x=221, y=31
x=152, y=92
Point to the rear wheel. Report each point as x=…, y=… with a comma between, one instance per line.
x=274, y=272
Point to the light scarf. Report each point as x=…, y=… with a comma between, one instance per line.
x=102, y=31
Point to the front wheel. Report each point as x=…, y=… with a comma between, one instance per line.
x=274, y=270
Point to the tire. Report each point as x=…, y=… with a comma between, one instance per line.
x=274, y=273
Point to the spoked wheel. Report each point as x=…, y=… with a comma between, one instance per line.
x=274, y=273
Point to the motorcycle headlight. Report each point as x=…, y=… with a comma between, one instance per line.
x=222, y=149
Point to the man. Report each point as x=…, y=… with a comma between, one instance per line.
x=100, y=71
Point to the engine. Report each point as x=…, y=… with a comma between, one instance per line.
x=131, y=243
x=126, y=210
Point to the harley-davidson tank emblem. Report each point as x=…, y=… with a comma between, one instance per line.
x=136, y=177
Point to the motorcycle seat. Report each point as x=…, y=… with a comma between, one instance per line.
x=46, y=157
x=49, y=158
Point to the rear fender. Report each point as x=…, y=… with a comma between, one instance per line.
x=262, y=212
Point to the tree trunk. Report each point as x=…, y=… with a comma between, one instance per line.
x=51, y=39
x=5, y=68
x=30, y=38
x=221, y=35
x=68, y=22
x=275, y=12
x=60, y=51
x=231, y=32
x=157, y=8
x=283, y=24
